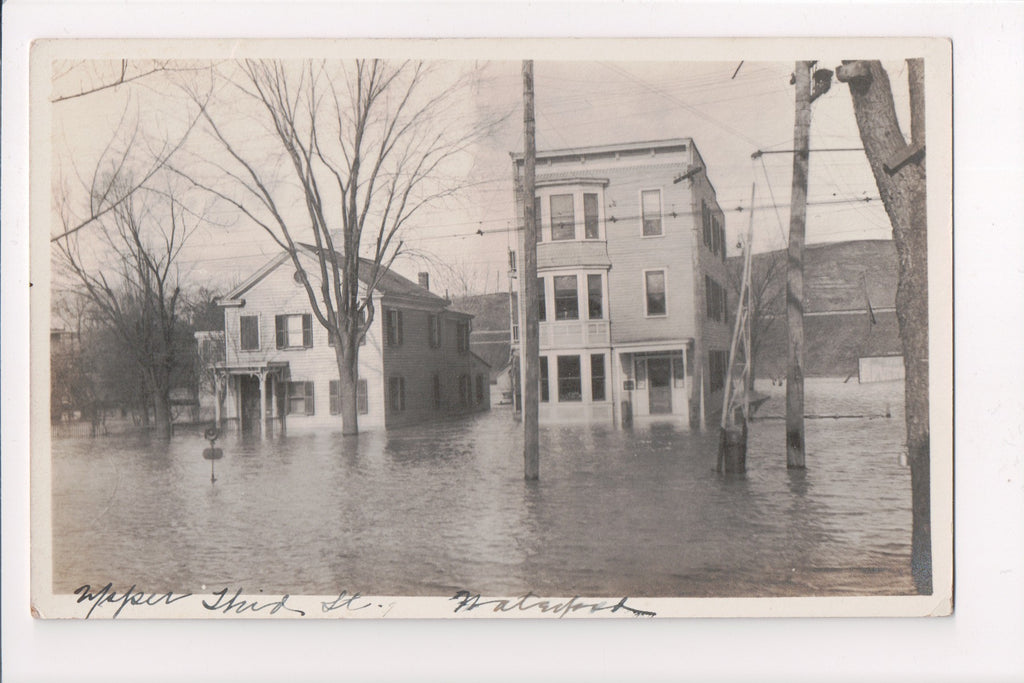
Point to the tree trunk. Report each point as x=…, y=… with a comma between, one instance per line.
x=162, y=413
x=348, y=375
x=902, y=188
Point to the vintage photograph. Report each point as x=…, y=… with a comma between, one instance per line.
x=491, y=328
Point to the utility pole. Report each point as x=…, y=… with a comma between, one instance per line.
x=531, y=337
x=795, y=270
x=795, y=445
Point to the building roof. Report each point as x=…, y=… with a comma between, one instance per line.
x=596, y=150
x=388, y=284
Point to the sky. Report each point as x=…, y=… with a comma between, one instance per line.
x=730, y=109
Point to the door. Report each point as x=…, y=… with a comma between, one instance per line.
x=659, y=381
x=249, y=388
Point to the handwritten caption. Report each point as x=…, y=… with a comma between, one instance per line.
x=107, y=601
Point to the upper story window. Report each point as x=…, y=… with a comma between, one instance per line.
x=563, y=218
x=561, y=204
x=393, y=327
x=650, y=207
x=591, y=226
x=715, y=299
x=542, y=304
x=434, y=330
x=566, y=301
x=595, y=297
x=294, y=331
x=249, y=332
x=654, y=292
x=714, y=233
x=462, y=337
x=537, y=213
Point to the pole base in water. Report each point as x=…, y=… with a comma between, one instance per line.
x=732, y=450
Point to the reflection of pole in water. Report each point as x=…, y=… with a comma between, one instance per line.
x=212, y=453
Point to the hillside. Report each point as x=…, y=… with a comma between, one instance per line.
x=490, y=336
x=839, y=280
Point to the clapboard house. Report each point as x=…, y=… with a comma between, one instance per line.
x=632, y=275
x=280, y=372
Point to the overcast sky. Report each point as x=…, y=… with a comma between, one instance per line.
x=730, y=111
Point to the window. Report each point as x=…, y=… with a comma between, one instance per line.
x=715, y=299
x=590, y=225
x=334, y=390
x=465, y=390
x=396, y=393
x=566, y=304
x=437, y=391
x=434, y=330
x=462, y=337
x=512, y=260
x=362, y=399
x=544, y=392
x=331, y=337
x=300, y=398
x=597, y=377
x=249, y=332
x=705, y=219
x=650, y=206
x=654, y=286
x=717, y=365
x=393, y=323
x=570, y=387
x=595, y=303
x=563, y=220
x=362, y=404
x=542, y=307
x=479, y=389
x=537, y=220
x=294, y=331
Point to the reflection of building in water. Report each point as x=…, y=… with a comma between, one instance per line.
x=280, y=367
x=632, y=280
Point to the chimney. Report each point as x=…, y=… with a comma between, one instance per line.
x=425, y=280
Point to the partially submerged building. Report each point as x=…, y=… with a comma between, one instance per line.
x=632, y=275
x=280, y=371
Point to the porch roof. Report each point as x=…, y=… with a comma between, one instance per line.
x=249, y=368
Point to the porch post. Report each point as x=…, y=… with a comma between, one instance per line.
x=263, y=403
x=238, y=401
x=216, y=400
x=273, y=398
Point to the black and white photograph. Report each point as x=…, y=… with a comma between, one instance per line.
x=403, y=329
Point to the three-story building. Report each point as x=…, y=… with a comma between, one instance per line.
x=632, y=280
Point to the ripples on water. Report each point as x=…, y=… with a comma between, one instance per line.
x=431, y=510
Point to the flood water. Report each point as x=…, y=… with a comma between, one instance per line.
x=434, y=509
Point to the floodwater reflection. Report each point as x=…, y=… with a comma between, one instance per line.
x=434, y=509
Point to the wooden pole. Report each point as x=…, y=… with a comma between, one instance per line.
x=795, y=270
x=531, y=336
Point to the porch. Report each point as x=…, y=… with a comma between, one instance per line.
x=254, y=396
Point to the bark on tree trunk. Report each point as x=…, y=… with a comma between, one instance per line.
x=903, y=192
x=348, y=375
x=162, y=413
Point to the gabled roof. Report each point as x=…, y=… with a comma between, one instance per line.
x=388, y=284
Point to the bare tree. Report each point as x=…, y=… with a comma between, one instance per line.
x=128, y=270
x=899, y=171
x=362, y=147
x=128, y=151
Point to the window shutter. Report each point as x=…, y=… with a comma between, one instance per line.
x=280, y=331
x=361, y=397
x=310, y=410
x=399, y=316
x=307, y=330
